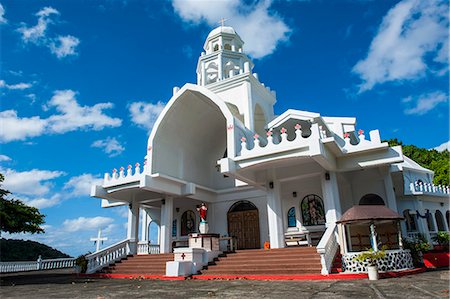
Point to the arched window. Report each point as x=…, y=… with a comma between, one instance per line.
x=312, y=210
x=410, y=221
x=430, y=223
x=153, y=232
x=187, y=223
x=227, y=47
x=447, y=214
x=371, y=199
x=174, y=228
x=291, y=218
x=439, y=221
x=216, y=47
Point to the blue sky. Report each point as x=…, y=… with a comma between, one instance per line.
x=83, y=81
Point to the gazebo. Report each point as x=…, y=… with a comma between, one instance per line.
x=367, y=227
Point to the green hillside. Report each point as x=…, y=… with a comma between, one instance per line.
x=21, y=250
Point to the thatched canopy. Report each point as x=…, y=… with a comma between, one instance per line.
x=368, y=213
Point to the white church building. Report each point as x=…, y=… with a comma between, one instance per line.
x=266, y=179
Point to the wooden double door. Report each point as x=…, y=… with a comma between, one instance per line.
x=244, y=225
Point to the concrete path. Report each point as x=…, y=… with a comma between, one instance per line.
x=63, y=284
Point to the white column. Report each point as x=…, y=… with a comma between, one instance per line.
x=144, y=225
x=133, y=226
x=203, y=74
x=373, y=236
x=275, y=215
x=389, y=190
x=166, y=225
x=220, y=67
x=331, y=200
x=422, y=222
x=433, y=216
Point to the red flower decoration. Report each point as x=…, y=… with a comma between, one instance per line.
x=360, y=132
x=121, y=168
x=243, y=139
x=145, y=162
x=298, y=127
x=269, y=133
x=129, y=166
x=149, y=148
x=283, y=130
x=114, y=170
x=346, y=135
x=256, y=136
x=230, y=127
x=137, y=164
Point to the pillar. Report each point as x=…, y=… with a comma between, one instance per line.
x=389, y=190
x=330, y=194
x=275, y=214
x=144, y=225
x=373, y=237
x=422, y=222
x=166, y=225
x=203, y=74
x=220, y=67
x=133, y=226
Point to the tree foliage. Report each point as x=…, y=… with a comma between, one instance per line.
x=431, y=159
x=17, y=217
x=20, y=250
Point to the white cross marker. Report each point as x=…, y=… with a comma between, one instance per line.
x=98, y=240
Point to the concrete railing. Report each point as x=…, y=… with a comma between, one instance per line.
x=108, y=255
x=429, y=188
x=144, y=247
x=327, y=248
x=40, y=264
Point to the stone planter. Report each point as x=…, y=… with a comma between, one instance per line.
x=372, y=271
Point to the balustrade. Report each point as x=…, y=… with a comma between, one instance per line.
x=327, y=248
x=430, y=188
x=108, y=255
x=40, y=264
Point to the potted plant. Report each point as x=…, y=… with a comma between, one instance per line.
x=81, y=264
x=417, y=246
x=371, y=257
x=442, y=239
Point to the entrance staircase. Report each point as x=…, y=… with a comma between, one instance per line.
x=273, y=262
x=149, y=264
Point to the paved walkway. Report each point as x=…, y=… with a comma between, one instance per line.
x=62, y=284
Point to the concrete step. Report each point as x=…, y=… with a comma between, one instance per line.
x=261, y=272
x=265, y=267
x=285, y=258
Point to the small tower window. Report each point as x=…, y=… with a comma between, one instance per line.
x=227, y=47
x=216, y=47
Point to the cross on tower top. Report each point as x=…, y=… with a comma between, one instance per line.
x=222, y=22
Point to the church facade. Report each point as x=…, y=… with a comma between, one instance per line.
x=266, y=179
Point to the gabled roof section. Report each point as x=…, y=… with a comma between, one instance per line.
x=292, y=114
x=410, y=164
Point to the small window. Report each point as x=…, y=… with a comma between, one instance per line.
x=187, y=223
x=410, y=221
x=439, y=221
x=371, y=199
x=291, y=217
x=227, y=47
x=312, y=210
x=216, y=47
x=174, y=228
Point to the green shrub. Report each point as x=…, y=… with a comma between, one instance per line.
x=370, y=256
x=82, y=262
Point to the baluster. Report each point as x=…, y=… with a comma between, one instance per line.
x=121, y=173
x=283, y=135
x=243, y=145
x=256, y=141
x=129, y=171
x=298, y=132
x=137, y=169
x=347, y=139
x=269, y=138
x=114, y=174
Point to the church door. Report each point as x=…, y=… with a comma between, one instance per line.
x=243, y=223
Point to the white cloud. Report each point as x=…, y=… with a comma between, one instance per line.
x=3, y=20
x=261, y=28
x=411, y=35
x=32, y=182
x=64, y=46
x=83, y=223
x=61, y=46
x=81, y=185
x=444, y=146
x=110, y=146
x=145, y=114
x=17, y=86
x=424, y=103
x=71, y=117
x=42, y=202
x=20, y=128
x=37, y=34
x=4, y=158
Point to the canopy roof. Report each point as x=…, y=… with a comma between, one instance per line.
x=369, y=212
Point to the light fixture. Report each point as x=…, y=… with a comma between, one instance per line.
x=294, y=194
x=327, y=176
x=271, y=185
x=177, y=209
x=163, y=201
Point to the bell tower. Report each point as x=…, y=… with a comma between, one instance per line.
x=223, y=57
x=225, y=69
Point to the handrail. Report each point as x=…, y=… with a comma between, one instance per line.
x=327, y=248
x=40, y=264
x=108, y=255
